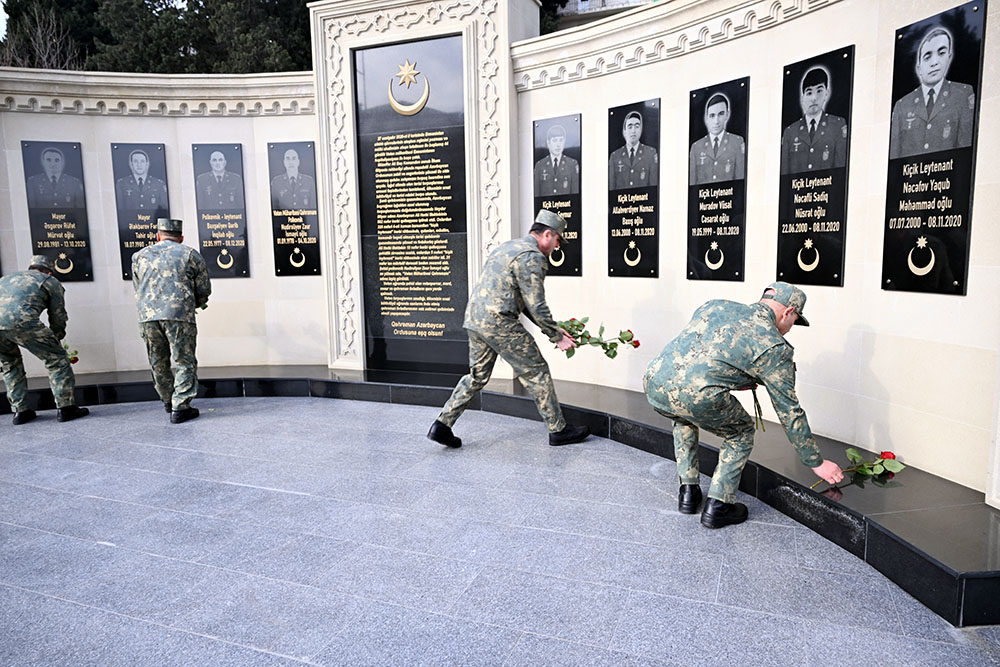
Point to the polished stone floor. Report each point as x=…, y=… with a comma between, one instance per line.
x=315, y=531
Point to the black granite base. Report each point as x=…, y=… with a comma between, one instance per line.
x=937, y=540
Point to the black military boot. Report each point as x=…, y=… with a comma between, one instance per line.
x=569, y=435
x=718, y=514
x=71, y=412
x=166, y=406
x=184, y=415
x=688, y=498
x=23, y=417
x=441, y=434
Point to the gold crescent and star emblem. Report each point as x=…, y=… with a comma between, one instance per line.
x=407, y=75
x=920, y=270
x=808, y=245
x=218, y=260
x=562, y=257
x=722, y=256
x=638, y=254
x=62, y=256
x=293, y=262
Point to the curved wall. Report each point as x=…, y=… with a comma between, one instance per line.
x=911, y=372
x=257, y=320
x=916, y=373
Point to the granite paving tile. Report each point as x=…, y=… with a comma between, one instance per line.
x=686, y=632
x=143, y=586
x=301, y=559
x=270, y=615
x=815, y=552
x=532, y=650
x=399, y=577
x=470, y=502
x=47, y=563
x=560, y=483
x=813, y=594
x=826, y=643
x=388, y=635
x=456, y=466
x=656, y=569
x=515, y=547
x=97, y=519
x=374, y=489
x=572, y=610
x=632, y=524
x=177, y=535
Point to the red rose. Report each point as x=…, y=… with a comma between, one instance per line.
x=635, y=343
x=73, y=360
x=892, y=474
x=630, y=331
x=887, y=455
x=572, y=319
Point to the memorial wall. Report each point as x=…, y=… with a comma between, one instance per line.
x=699, y=149
x=897, y=248
x=91, y=160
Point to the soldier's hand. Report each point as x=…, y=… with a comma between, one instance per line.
x=830, y=472
x=566, y=342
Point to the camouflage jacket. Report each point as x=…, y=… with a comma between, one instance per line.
x=511, y=284
x=23, y=297
x=170, y=281
x=728, y=346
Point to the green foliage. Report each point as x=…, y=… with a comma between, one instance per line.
x=548, y=16
x=854, y=456
x=167, y=36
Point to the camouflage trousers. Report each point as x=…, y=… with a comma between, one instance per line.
x=41, y=342
x=717, y=411
x=166, y=340
x=520, y=351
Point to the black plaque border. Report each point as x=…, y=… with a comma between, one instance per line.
x=81, y=267
x=737, y=92
x=568, y=259
x=785, y=269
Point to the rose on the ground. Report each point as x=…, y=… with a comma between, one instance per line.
x=885, y=463
x=577, y=330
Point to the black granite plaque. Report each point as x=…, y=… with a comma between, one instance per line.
x=140, y=172
x=634, y=190
x=557, y=187
x=222, y=215
x=812, y=196
x=411, y=182
x=717, y=181
x=57, y=207
x=937, y=75
x=294, y=219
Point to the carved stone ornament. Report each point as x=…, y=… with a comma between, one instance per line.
x=613, y=46
x=194, y=95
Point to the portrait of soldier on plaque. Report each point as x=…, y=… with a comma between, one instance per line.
x=557, y=173
x=719, y=155
x=218, y=187
x=294, y=188
x=939, y=114
x=138, y=186
x=635, y=164
x=817, y=140
x=53, y=185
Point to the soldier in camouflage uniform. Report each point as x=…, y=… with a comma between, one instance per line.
x=511, y=284
x=23, y=297
x=171, y=281
x=729, y=346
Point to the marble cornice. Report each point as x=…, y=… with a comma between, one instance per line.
x=646, y=35
x=192, y=95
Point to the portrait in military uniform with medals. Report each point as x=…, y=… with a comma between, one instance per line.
x=140, y=172
x=57, y=207
x=933, y=126
x=812, y=194
x=634, y=190
x=556, y=177
x=717, y=158
x=219, y=195
x=294, y=217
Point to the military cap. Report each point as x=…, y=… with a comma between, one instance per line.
x=552, y=220
x=788, y=295
x=43, y=261
x=170, y=225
